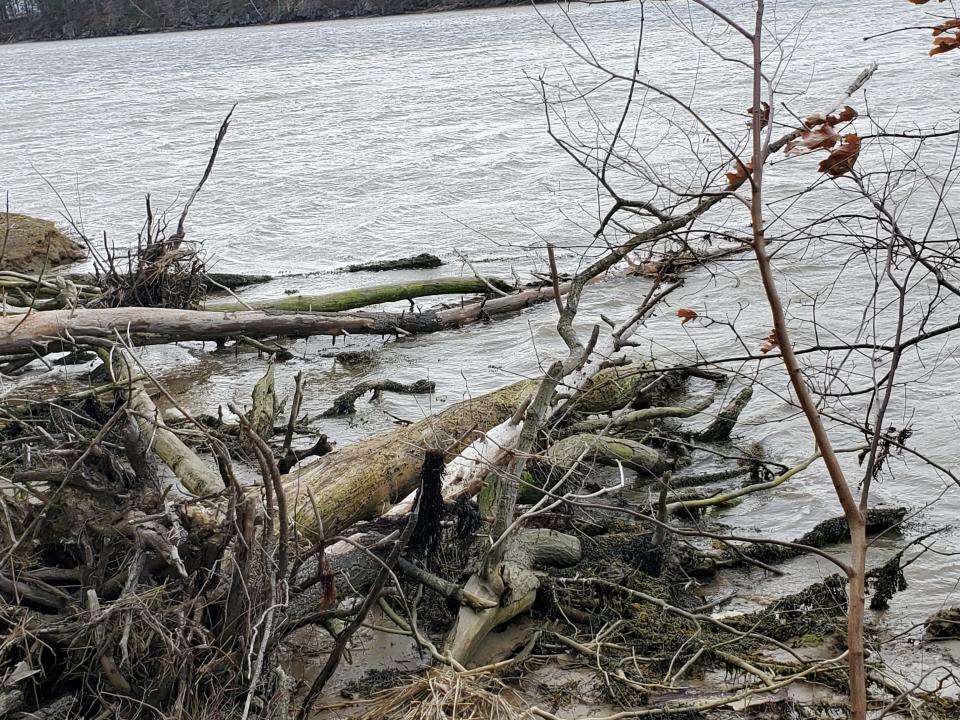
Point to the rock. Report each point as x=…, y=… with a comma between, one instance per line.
x=27, y=243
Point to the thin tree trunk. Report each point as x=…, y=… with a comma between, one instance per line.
x=856, y=591
x=856, y=571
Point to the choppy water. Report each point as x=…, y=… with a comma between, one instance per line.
x=381, y=137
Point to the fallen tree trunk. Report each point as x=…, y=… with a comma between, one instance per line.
x=360, y=481
x=374, y=295
x=587, y=449
x=43, y=332
x=230, y=281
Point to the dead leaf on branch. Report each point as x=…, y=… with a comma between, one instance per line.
x=764, y=115
x=945, y=43
x=819, y=132
x=846, y=115
x=842, y=159
x=687, y=314
x=740, y=174
x=770, y=342
x=944, y=40
x=946, y=25
x=822, y=138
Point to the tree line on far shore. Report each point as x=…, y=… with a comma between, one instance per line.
x=65, y=19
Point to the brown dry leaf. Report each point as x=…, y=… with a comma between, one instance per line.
x=738, y=175
x=945, y=43
x=770, y=342
x=687, y=314
x=822, y=138
x=842, y=159
x=764, y=115
x=846, y=115
x=946, y=25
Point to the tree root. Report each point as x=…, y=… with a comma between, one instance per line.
x=526, y=549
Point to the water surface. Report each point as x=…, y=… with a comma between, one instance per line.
x=375, y=138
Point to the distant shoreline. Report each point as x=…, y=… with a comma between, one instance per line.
x=88, y=25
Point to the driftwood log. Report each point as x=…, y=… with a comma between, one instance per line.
x=374, y=295
x=597, y=449
x=414, y=262
x=360, y=481
x=49, y=331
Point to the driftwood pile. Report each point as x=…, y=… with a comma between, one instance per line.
x=142, y=578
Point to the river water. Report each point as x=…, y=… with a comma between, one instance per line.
x=374, y=138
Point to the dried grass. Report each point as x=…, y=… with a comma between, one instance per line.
x=445, y=695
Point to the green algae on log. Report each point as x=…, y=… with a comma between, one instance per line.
x=362, y=297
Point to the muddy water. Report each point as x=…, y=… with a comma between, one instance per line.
x=374, y=138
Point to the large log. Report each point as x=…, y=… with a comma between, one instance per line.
x=360, y=481
x=415, y=262
x=591, y=449
x=42, y=332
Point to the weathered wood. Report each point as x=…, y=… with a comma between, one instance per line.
x=589, y=449
x=525, y=551
x=265, y=405
x=345, y=403
x=638, y=418
x=195, y=475
x=42, y=332
x=360, y=481
x=719, y=430
x=233, y=281
x=230, y=281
